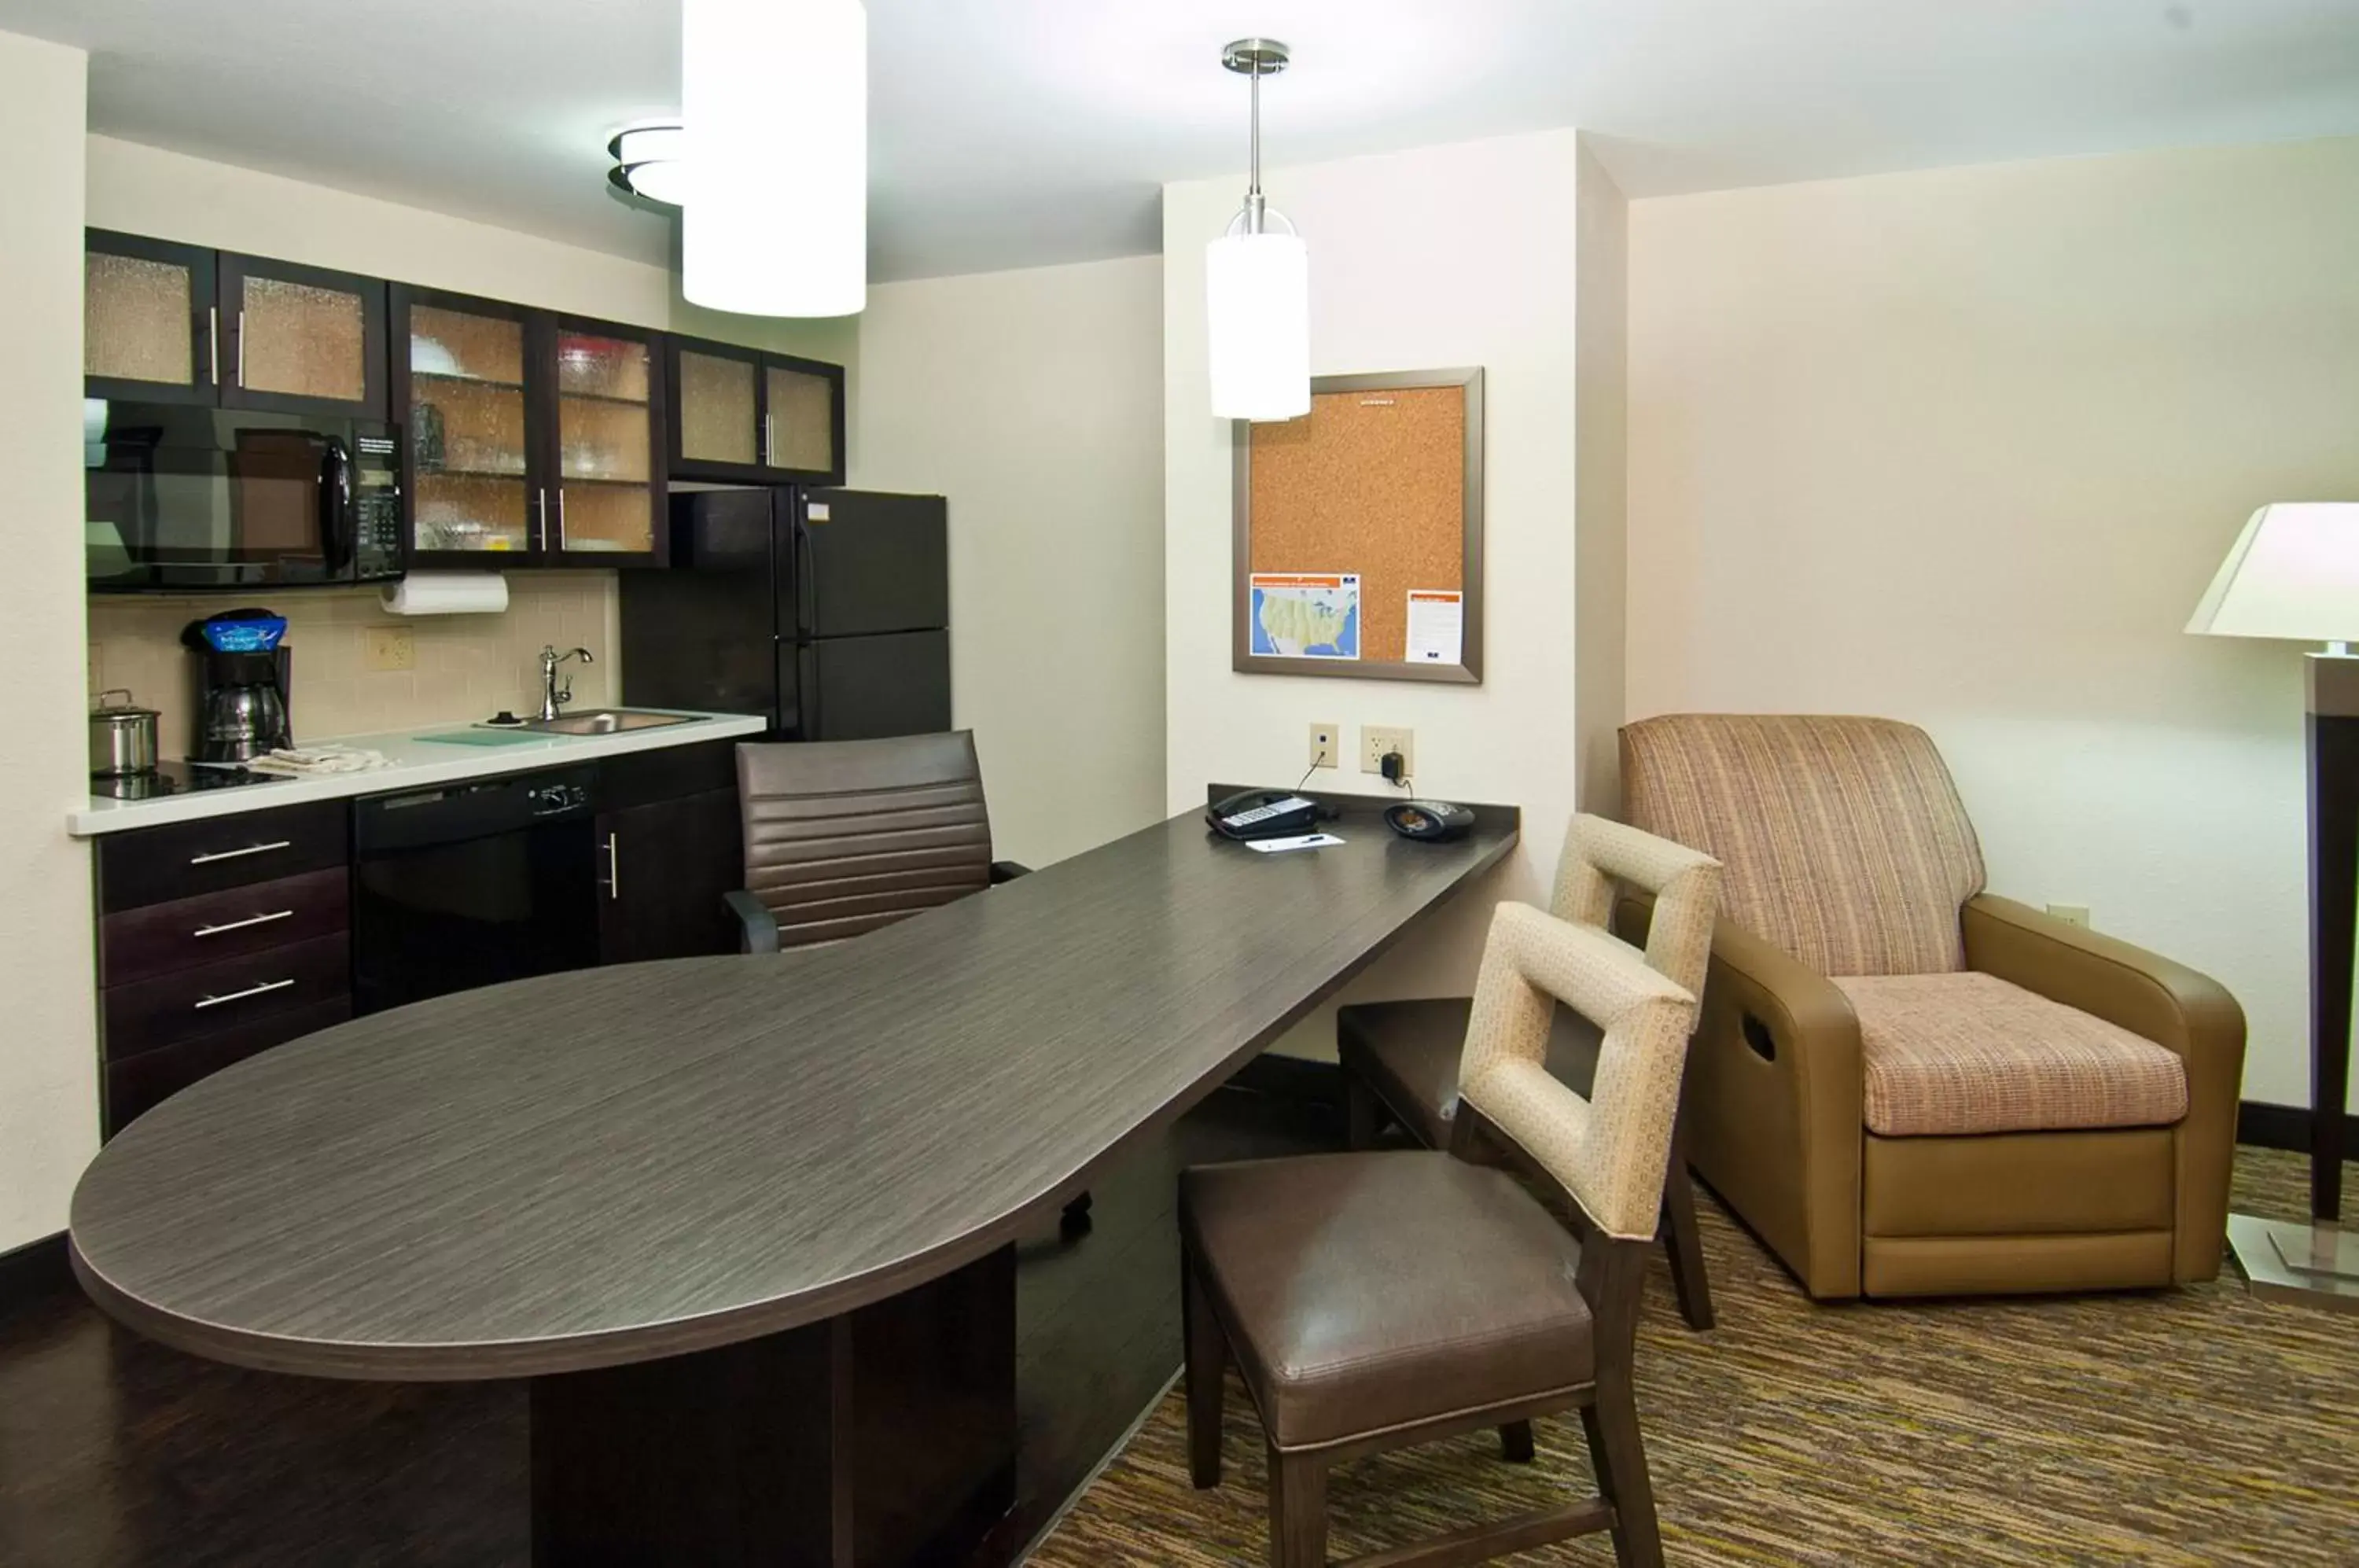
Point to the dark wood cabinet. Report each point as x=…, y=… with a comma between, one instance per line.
x=174, y=323
x=151, y=320
x=669, y=847
x=217, y=939
x=748, y=415
x=535, y=439
x=301, y=339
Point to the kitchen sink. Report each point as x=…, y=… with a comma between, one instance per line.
x=605, y=721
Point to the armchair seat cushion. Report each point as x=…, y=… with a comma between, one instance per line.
x=1961, y=1053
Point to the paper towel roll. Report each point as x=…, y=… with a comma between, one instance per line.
x=449, y=593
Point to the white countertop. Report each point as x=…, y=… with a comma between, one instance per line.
x=416, y=761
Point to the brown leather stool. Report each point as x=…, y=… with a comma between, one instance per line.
x=1376, y=1300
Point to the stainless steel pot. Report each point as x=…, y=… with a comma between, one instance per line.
x=122, y=736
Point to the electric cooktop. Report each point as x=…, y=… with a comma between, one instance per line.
x=177, y=778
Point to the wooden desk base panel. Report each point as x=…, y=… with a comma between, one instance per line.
x=884, y=1437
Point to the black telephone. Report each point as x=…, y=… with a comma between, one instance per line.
x=1263, y=813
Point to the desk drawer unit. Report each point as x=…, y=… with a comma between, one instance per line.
x=218, y=940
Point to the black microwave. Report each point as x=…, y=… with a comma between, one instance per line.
x=183, y=499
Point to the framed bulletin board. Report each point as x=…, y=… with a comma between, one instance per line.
x=1358, y=544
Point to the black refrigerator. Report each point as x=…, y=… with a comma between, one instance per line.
x=828, y=611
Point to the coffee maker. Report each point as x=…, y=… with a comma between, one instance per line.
x=242, y=685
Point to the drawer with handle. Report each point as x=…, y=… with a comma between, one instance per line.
x=156, y=866
x=139, y=1084
x=188, y=1002
x=156, y=939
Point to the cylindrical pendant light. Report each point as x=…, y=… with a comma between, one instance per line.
x=773, y=95
x=1258, y=284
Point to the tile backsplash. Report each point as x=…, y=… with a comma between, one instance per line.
x=466, y=667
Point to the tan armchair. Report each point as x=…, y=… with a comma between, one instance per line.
x=1905, y=1085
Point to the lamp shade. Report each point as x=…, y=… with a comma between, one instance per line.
x=2293, y=574
x=774, y=99
x=1257, y=301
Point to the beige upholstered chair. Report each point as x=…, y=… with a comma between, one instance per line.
x=1400, y=1058
x=1905, y=1086
x=1376, y=1300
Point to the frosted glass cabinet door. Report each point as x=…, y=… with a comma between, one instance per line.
x=717, y=417
x=149, y=320
x=609, y=490
x=475, y=481
x=799, y=423
x=301, y=339
x=749, y=416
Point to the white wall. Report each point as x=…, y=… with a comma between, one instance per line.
x=49, y=1051
x=1033, y=400
x=1963, y=448
x=1600, y=445
x=1443, y=256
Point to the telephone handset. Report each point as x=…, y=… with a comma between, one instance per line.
x=1263, y=813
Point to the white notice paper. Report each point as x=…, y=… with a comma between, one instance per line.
x=1437, y=619
x=1304, y=840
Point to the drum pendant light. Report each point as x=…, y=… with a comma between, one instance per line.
x=1258, y=284
x=774, y=97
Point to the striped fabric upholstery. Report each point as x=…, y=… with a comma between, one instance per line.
x=1609, y=1150
x=1949, y=1055
x=1843, y=839
x=843, y=837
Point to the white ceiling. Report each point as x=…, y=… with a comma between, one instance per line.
x=1011, y=133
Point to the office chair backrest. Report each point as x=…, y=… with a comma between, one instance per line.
x=843, y=837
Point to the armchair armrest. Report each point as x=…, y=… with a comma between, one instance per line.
x=2188, y=1014
x=758, y=928
x=1007, y=871
x=1772, y=1101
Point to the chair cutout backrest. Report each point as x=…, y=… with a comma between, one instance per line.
x=1685, y=882
x=1608, y=1151
x=1843, y=840
x=843, y=837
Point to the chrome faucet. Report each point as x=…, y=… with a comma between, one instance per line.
x=551, y=698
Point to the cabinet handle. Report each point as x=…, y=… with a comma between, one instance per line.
x=212, y=344
x=770, y=441
x=560, y=519
x=241, y=348
x=241, y=853
x=264, y=989
x=241, y=925
x=614, y=869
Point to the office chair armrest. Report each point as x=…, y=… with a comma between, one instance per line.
x=758, y=928
x=1007, y=871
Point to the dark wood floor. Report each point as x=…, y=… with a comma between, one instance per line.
x=115, y=1452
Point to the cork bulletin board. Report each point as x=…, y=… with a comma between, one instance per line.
x=1358, y=542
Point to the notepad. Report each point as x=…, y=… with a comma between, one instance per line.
x=1300, y=840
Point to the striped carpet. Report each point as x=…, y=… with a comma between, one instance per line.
x=2187, y=1427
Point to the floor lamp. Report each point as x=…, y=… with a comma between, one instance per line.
x=2294, y=574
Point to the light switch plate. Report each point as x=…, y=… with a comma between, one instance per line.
x=2070, y=914
x=1376, y=740
x=1326, y=745
x=391, y=647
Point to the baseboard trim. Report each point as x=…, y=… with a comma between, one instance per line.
x=2287, y=1127
x=1292, y=1078
x=34, y=1272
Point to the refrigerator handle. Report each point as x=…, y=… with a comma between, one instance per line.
x=806, y=575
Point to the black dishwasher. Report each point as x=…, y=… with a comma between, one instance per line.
x=472, y=884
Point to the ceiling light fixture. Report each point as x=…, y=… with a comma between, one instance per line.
x=1258, y=284
x=649, y=164
x=775, y=96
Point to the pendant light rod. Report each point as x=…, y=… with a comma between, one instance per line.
x=1255, y=59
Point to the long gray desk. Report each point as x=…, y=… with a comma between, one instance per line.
x=746, y=1223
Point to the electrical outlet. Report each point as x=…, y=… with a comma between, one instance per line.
x=1323, y=745
x=391, y=647
x=2070, y=914
x=1376, y=741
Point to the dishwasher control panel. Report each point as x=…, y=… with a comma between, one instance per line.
x=549, y=799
